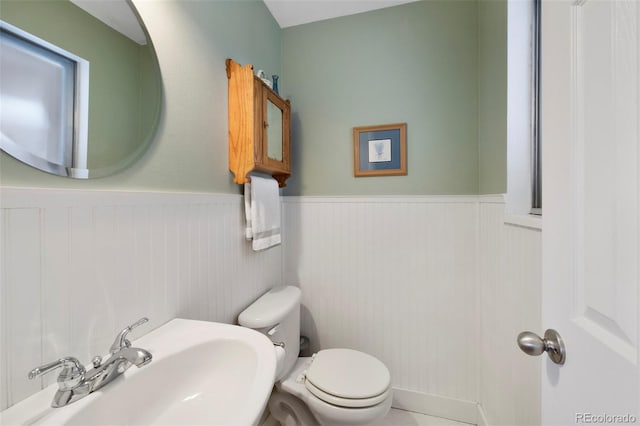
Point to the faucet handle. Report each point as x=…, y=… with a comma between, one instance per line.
x=121, y=340
x=70, y=377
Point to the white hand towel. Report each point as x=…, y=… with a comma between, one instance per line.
x=262, y=211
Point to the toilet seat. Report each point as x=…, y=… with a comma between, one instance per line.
x=348, y=378
x=346, y=402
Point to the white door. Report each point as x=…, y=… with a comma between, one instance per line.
x=590, y=127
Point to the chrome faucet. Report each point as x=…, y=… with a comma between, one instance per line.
x=74, y=382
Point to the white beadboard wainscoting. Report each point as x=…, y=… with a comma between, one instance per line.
x=78, y=266
x=437, y=287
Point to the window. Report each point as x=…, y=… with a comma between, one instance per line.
x=536, y=175
x=44, y=97
x=524, y=195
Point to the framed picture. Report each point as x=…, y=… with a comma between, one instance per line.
x=380, y=150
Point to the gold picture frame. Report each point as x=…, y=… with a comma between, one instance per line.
x=380, y=150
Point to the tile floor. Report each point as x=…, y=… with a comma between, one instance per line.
x=397, y=417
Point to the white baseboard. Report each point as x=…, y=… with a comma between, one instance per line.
x=438, y=406
x=482, y=419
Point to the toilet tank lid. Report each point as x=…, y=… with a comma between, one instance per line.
x=271, y=307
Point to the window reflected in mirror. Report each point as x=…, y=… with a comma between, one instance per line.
x=44, y=94
x=124, y=83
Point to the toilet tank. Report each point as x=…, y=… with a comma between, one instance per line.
x=277, y=315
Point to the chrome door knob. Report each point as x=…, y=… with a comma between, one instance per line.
x=534, y=345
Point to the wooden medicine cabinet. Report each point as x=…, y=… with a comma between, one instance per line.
x=259, y=127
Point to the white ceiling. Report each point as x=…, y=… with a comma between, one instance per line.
x=296, y=12
x=287, y=13
x=116, y=14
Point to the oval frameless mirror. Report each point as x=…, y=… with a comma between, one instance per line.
x=81, y=90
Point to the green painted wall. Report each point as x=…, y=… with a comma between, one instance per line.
x=492, y=96
x=192, y=41
x=438, y=65
x=415, y=63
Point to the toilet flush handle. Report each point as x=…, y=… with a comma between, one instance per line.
x=273, y=331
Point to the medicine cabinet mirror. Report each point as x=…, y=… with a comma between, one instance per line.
x=81, y=87
x=276, y=136
x=274, y=131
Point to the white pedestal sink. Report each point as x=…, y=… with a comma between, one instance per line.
x=201, y=373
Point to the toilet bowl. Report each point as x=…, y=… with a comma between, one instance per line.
x=333, y=387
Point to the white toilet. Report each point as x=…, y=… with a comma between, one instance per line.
x=333, y=387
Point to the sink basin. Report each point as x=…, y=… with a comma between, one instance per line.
x=201, y=373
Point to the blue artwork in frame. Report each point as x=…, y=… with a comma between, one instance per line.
x=380, y=150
